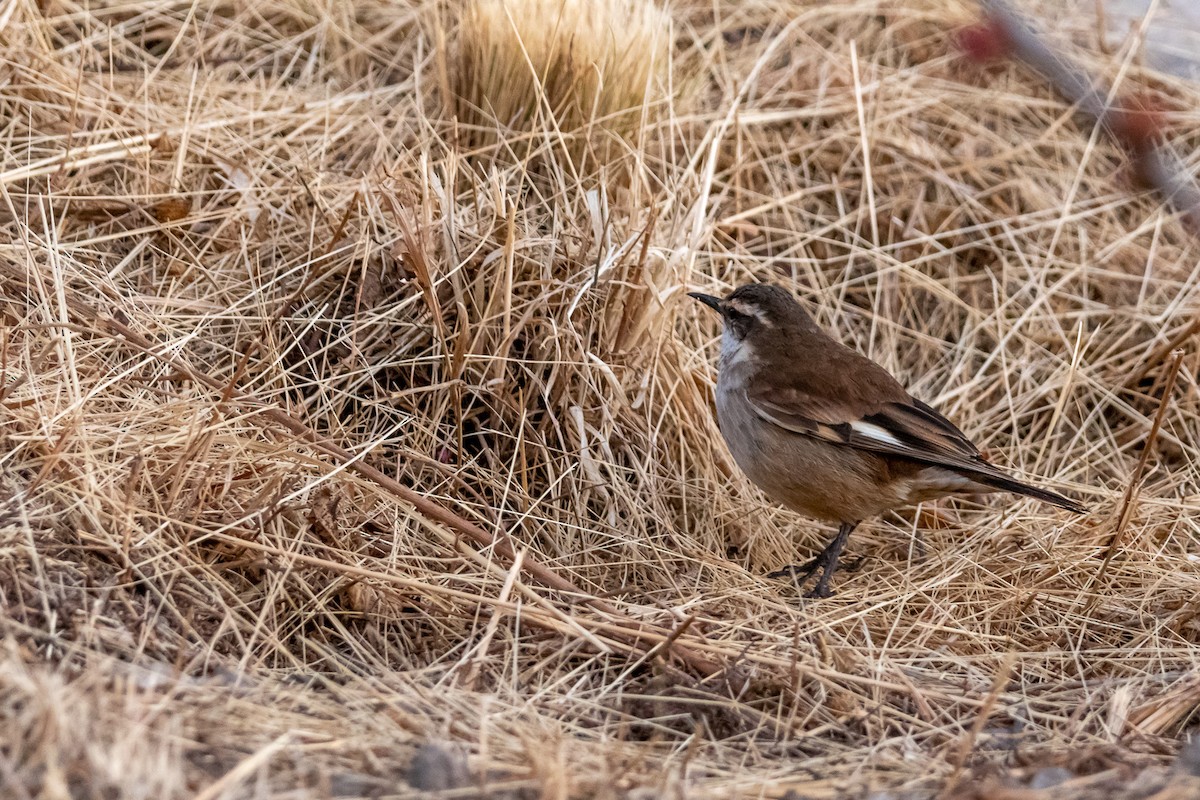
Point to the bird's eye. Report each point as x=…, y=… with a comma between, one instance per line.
x=737, y=322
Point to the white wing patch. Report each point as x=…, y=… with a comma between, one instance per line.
x=875, y=433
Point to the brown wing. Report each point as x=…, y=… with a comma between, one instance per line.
x=907, y=429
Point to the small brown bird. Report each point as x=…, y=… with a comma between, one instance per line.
x=829, y=433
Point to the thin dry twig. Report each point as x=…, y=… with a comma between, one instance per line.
x=1136, y=128
x=1129, y=499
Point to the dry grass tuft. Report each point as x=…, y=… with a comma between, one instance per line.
x=573, y=80
x=342, y=459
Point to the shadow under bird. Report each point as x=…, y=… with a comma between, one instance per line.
x=829, y=433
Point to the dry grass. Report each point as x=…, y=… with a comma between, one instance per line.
x=259, y=298
x=558, y=83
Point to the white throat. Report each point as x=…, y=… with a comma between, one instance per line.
x=733, y=350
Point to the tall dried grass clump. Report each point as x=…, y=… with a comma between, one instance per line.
x=574, y=79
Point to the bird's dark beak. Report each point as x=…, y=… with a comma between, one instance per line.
x=712, y=302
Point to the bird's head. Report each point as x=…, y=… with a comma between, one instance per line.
x=757, y=310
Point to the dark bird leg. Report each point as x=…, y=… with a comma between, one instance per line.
x=826, y=561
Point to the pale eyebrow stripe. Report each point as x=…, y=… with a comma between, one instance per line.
x=749, y=310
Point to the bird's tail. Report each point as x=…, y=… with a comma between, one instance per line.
x=1007, y=484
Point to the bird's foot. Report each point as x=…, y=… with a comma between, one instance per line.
x=800, y=573
x=820, y=591
x=797, y=572
x=852, y=566
x=826, y=561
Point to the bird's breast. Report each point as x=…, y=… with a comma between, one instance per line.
x=808, y=475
